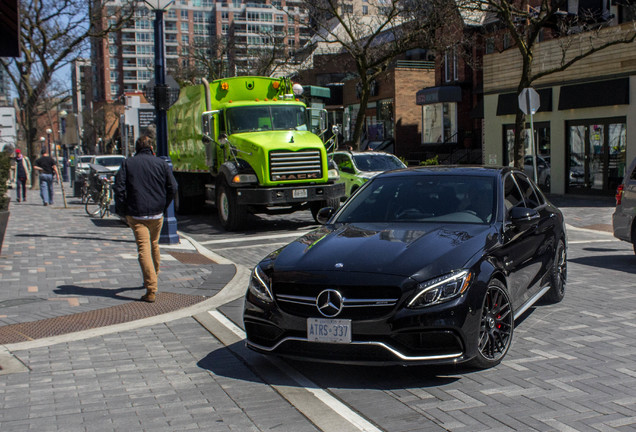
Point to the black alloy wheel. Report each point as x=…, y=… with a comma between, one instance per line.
x=558, y=275
x=496, y=327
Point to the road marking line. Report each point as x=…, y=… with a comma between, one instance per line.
x=592, y=241
x=245, y=239
x=325, y=397
x=274, y=245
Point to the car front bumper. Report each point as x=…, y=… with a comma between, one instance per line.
x=440, y=334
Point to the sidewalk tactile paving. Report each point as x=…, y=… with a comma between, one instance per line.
x=134, y=310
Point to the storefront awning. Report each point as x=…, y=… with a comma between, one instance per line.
x=595, y=94
x=315, y=91
x=441, y=94
x=508, y=103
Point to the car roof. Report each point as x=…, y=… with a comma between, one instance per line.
x=373, y=153
x=476, y=170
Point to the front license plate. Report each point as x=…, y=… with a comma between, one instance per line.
x=329, y=330
x=299, y=193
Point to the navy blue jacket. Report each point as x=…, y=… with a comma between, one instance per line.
x=144, y=185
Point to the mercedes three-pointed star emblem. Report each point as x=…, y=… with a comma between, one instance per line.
x=329, y=303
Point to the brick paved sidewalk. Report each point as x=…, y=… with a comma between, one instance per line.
x=58, y=261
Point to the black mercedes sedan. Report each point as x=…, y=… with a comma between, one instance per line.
x=420, y=266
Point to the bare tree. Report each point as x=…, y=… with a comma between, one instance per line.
x=373, y=37
x=580, y=35
x=53, y=34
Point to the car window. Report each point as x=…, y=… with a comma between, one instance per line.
x=512, y=195
x=344, y=163
x=115, y=161
x=376, y=162
x=528, y=192
x=423, y=198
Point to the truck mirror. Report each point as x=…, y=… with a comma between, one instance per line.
x=207, y=125
x=323, y=121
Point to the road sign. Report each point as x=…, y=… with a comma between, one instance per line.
x=529, y=101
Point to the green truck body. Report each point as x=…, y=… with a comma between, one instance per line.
x=244, y=143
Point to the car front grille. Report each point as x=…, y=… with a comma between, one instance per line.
x=359, y=302
x=299, y=165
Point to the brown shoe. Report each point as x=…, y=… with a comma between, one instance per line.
x=148, y=297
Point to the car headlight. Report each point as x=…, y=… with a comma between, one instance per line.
x=259, y=285
x=441, y=289
x=333, y=174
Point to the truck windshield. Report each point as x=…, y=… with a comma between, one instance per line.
x=267, y=117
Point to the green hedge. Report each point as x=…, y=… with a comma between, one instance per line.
x=5, y=165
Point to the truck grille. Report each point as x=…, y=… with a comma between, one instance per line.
x=300, y=165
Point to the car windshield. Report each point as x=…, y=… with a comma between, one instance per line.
x=266, y=117
x=377, y=162
x=112, y=161
x=423, y=198
x=84, y=159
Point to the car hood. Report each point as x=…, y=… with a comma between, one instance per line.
x=422, y=250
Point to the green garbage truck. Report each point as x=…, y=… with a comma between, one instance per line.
x=245, y=144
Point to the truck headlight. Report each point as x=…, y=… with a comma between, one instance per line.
x=259, y=285
x=245, y=179
x=333, y=174
x=441, y=289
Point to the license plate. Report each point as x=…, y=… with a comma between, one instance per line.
x=299, y=193
x=329, y=330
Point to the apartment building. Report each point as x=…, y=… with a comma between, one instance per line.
x=231, y=32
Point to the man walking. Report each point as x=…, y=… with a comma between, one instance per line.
x=144, y=187
x=22, y=175
x=47, y=167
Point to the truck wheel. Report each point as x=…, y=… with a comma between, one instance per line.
x=231, y=214
x=315, y=206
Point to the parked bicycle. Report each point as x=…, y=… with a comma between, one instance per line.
x=100, y=194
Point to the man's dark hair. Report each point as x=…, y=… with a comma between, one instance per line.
x=143, y=142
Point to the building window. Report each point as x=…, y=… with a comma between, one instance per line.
x=172, y=13
x=114, y=63
x=490, y=46
x=185, y=28
x=365, y=10
x=198, y=16
x=144, y=37
x=184, y=14
x=450, y=66
x=439, y=123
x=114, y=90
x=185, y=39
x=225, y=15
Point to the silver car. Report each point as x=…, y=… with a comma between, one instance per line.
x=625, y=213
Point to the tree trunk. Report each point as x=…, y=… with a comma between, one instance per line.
x=364, y=101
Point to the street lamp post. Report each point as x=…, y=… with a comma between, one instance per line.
x=49, y=131
x=42, y=143
x=65, y=156
x=169, y=230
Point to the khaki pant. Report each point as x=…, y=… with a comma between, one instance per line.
x=147, y=237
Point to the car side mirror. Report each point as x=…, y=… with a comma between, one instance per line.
x=324, y=214
x=523, y=217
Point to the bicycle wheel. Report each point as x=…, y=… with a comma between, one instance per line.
x=104, y=207
x=93, y=205
x=84, y=193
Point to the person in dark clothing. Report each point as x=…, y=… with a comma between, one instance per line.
x=144, y=188
x=47, y=167
x=22, y=175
